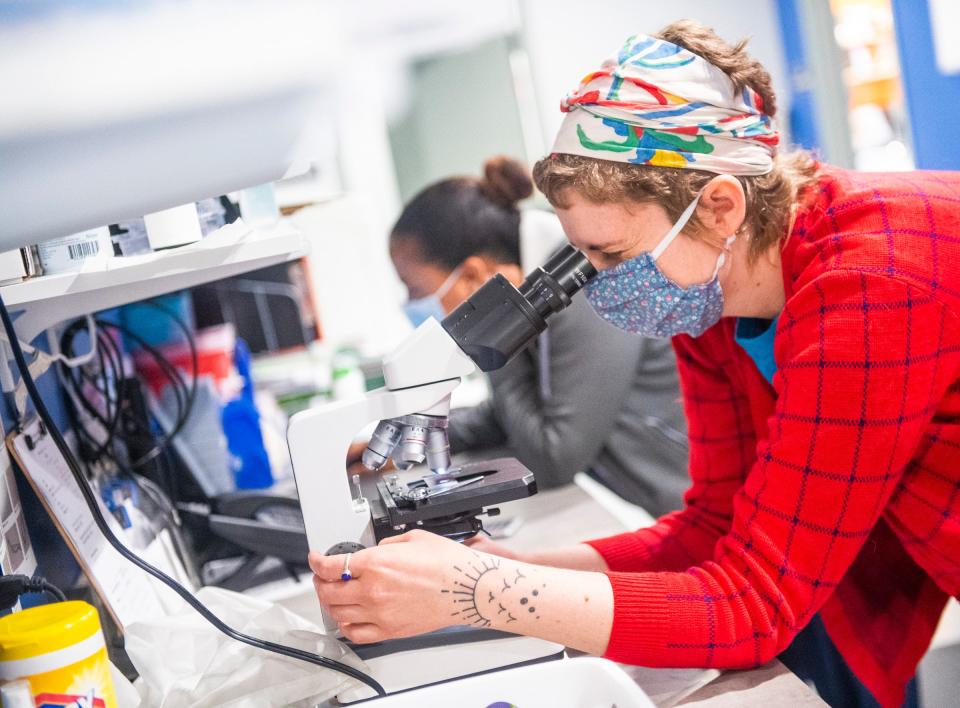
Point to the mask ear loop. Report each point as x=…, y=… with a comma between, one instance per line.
x=675, y=229
x=678, y=227
x=723, y=254
x=448, y=283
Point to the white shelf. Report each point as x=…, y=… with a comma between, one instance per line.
x=232, y=250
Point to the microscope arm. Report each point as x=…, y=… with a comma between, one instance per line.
x=318, y=441
x=420, y=375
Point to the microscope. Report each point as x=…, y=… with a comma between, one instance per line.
x=485, y=331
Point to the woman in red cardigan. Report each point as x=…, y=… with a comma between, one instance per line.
x=814, y=312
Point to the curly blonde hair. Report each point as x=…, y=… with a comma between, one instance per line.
x=769, y=198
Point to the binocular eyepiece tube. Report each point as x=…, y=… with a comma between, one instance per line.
x=499, y=320
x=549, y=288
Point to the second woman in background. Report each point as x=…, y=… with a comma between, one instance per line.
x=587, y=396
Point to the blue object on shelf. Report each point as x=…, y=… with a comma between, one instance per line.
x=241, y=425
x=153, y=325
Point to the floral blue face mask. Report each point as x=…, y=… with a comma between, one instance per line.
x=637, y=297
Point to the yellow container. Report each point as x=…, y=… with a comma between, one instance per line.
x=59, y=649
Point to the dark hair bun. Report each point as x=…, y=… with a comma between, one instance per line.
x=506, y=181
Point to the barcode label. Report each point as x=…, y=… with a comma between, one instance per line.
x=79, y=251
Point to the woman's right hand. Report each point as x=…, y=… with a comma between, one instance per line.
x=483, y=544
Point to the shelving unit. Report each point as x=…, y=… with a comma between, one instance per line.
x=234, y=249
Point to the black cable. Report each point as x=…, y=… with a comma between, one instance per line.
x=110, y=362
x=104, y=529
x=93, y=449
x=112, y=370
x=53, y=590
x=109, y=353
x=13, y=586
x=194, y=355
x=184, y=401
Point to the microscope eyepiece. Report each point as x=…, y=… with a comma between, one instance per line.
x=549, y=288
x=558, y=257
x=566, y=262
x=574, y=272
x=499, y=320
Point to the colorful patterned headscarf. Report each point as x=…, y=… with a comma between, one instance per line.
x=658, y=104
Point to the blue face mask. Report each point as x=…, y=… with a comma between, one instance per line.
x=637, y=297
x=420, y=309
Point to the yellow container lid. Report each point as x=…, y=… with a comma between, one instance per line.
x=40, y=630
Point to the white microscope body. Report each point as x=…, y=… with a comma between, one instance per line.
x=490, y=327
x=420, y=375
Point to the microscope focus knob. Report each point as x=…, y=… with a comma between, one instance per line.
x=344, y=547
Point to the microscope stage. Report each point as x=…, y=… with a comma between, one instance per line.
x=450, y=499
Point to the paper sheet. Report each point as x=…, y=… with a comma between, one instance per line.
x=128, y=592
x=185, y=663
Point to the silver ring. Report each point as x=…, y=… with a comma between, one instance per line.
x=346, y=574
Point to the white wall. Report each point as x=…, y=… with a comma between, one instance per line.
x=566, y=39
x=355, y=290
x=462, y=110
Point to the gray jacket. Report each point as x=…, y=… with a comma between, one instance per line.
x=588, y=397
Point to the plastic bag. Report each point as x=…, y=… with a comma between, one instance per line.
x=184, y=661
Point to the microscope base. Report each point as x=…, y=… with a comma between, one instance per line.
x=446, y=655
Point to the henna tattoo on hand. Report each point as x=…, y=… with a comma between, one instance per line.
x=467, y=593
x=525, y=600
x=510, y=617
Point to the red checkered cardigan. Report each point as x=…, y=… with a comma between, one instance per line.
x=837, y=489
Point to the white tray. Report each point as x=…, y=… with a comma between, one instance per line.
x=570, y=683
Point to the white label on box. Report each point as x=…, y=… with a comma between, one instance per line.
x=63, y=255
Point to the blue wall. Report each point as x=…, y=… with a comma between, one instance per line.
x=801, y=118
x=933, y=99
